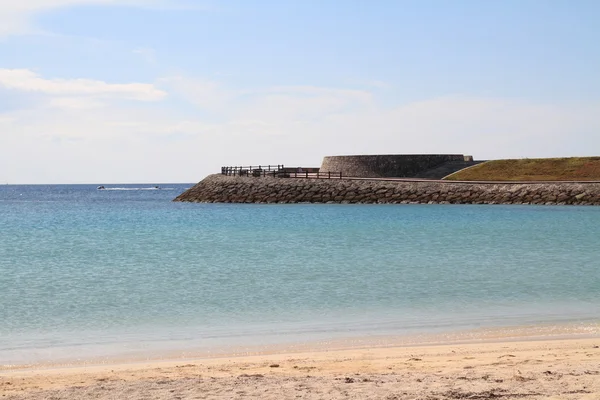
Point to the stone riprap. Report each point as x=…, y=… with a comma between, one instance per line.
x=229, y=189
x=386, y=165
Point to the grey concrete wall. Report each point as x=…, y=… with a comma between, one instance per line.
x=228, y=189
x=383, y=166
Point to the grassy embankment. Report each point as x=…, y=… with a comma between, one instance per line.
x=533, y=169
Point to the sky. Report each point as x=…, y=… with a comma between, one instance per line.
x=149, y=91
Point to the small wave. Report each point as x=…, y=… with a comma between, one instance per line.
x=140, y=188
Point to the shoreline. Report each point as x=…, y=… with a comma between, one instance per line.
x=537, y=369
x=580, y=330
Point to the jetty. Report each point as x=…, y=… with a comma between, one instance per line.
x=385, y=179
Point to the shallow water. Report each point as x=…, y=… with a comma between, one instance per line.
x=91, y=272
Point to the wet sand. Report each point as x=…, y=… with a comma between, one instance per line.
x=537, y=369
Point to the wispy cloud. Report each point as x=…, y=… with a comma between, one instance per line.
x=17, y=16
x=75, y=103
x=205, y=94
x=248, y=106
x=29, y=81
x=303, y=103
x=146, y=53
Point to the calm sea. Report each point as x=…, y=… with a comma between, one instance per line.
x=95, y=273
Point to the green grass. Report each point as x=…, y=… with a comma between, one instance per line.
x=533, y=169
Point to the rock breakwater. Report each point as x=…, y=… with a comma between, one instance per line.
x=229, y=189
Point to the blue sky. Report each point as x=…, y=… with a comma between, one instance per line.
x=107, y=91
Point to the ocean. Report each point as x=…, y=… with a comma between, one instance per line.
x=89, y=274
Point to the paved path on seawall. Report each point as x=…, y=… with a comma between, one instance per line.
x=230, y=189
x=467, y=182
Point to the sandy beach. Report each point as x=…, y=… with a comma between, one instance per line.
x=536, y=369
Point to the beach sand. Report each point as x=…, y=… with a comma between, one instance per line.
x=552, y=369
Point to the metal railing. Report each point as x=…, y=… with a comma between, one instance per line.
x=314, y=175
x=252, y=170
x=279, y=171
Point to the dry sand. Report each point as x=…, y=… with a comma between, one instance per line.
x=556, y=369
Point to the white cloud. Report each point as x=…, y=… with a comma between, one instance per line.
x=16, y=16
x=75, y=103
x=187, y=138
x=264, y=106
x=484, y=127
x=4, y=119
x=28, y=81
x=303, y=103
x=146, y=53
x=205, y=94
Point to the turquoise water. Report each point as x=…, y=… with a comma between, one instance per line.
x=85, y=272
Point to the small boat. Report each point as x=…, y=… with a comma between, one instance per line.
x=100, y=187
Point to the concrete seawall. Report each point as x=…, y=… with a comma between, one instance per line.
x=229, y=189
x=386, y=165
